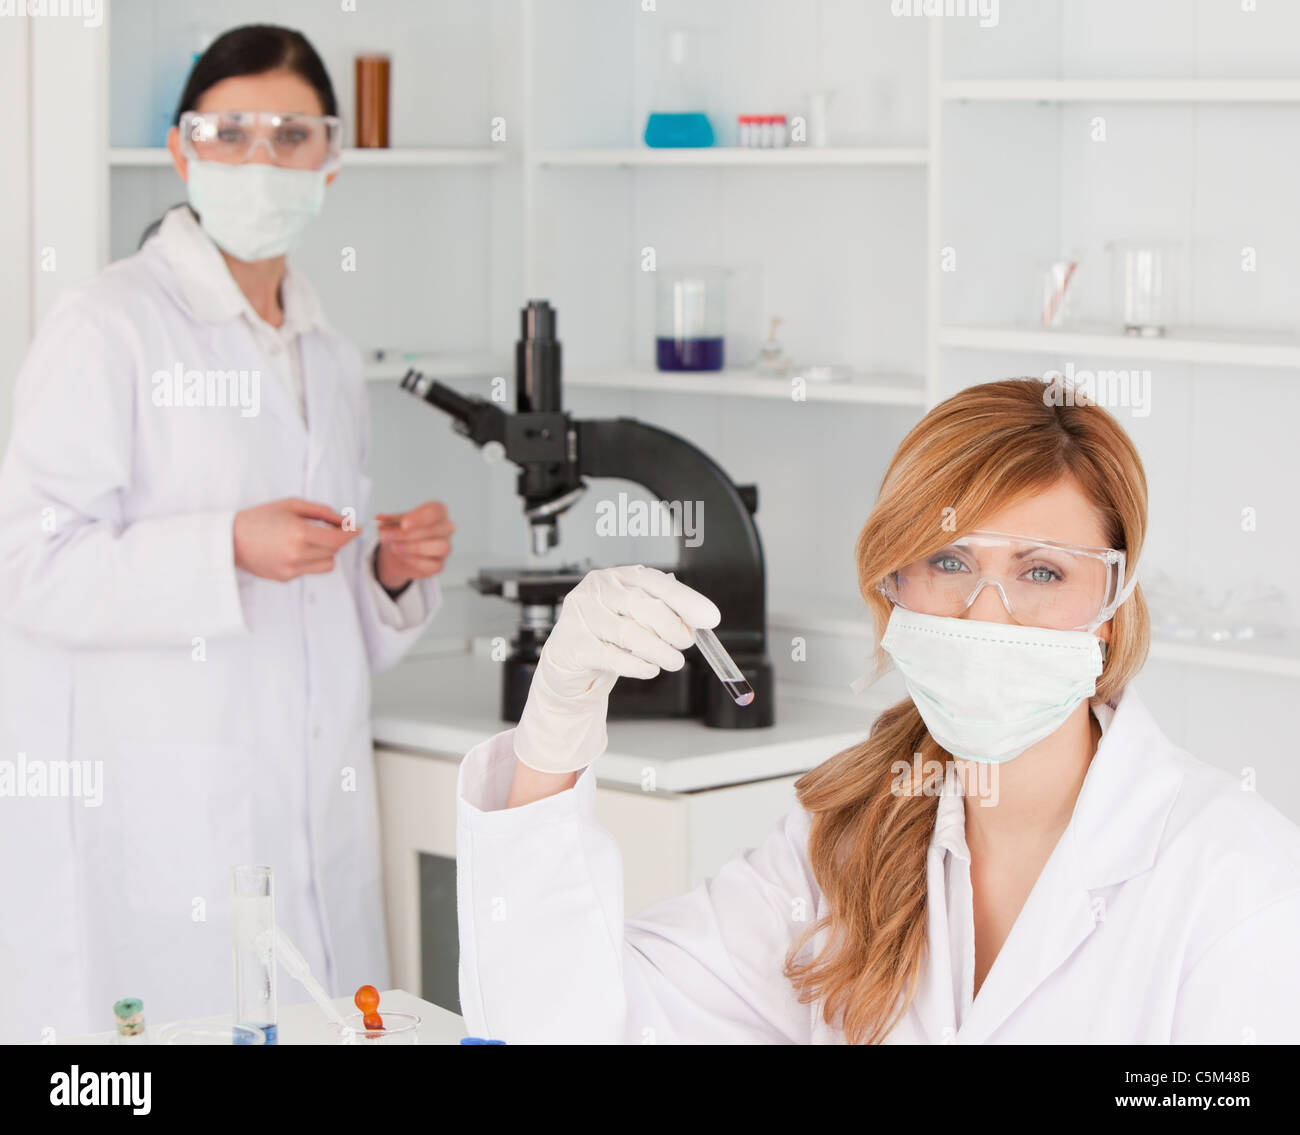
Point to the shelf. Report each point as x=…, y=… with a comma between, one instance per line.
x=1189, y=345
x=797, y=156
x=1122, y=90
x=880, y=390
x=127, y=156
x=395, y=364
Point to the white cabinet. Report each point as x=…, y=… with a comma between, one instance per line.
x=669, y=841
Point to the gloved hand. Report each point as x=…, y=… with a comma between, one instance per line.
x=623, y=621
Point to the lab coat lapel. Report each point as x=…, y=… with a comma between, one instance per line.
x=320, y=371
x=277, y=399
x=1056, y=918
x=1112, y=836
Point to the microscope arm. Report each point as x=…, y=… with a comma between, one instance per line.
x=726, y=561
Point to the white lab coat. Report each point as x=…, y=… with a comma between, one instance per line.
x=230, y=713
x=1168, y=912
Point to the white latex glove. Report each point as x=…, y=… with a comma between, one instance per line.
x=618, y=622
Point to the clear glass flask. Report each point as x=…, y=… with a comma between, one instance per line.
x=252, y=932
x=1144, y=284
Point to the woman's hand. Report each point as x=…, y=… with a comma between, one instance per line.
x=288, y=538
x=412, y=545
x=618, y=622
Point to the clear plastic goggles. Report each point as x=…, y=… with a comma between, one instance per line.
x=1042, y=583
x=293, y=141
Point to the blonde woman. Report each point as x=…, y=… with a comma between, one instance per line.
x=1112, y=889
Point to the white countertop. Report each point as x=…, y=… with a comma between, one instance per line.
x=447, y=703
x=307, y=1024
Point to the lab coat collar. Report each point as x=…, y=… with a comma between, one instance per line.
x=1116, y=796
x=210, y=291
x=1113, y=835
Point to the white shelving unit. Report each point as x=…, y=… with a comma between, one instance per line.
x=1205, y=347
x=394, y=364
x=1121, y=90
x=875, y=212
x=1163, y=134
x=880, y=390
x=796, y=156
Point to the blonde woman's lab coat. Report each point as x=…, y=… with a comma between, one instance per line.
x=228, y=715
x=1168, y=912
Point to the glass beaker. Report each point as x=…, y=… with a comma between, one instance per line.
x=677, y=117
x=252, y=934
x=399, y=1028
x=1144, y=287
x=690, y=318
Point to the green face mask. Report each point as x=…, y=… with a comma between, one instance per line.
x=988, y=691
x=254, y=211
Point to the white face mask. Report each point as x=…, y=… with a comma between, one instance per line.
x=254, y=211
x=988, y=691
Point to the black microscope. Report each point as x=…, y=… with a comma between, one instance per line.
x=555, y=454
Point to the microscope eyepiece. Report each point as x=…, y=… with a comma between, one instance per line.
x=537, y=322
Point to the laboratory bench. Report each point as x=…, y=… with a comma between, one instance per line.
x=680, y=798
x=305, y=1023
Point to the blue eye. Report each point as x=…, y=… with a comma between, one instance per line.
x=948, y=564
x=1042, y=575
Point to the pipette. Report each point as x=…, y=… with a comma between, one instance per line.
x=289, y=956
x=742, y=693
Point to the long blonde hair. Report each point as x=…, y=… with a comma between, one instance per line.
x=981, y=450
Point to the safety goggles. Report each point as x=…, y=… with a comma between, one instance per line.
x=1042, y=583
x=293, y=141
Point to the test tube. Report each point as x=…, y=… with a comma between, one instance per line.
x=252, y=932
x=742, y=693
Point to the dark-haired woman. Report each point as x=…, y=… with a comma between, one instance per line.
x=191, y=603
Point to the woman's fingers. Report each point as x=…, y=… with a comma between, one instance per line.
x=435, y=547
x=623, y=631
x=694, y=609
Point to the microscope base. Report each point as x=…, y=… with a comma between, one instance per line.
x=693, y=691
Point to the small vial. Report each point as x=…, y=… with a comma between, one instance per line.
x=765, y=131
x=745, y=130
x=129, y=1015
x=779, y=132
x=729, y=674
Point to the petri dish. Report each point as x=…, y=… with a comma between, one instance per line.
x=204, y=1032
